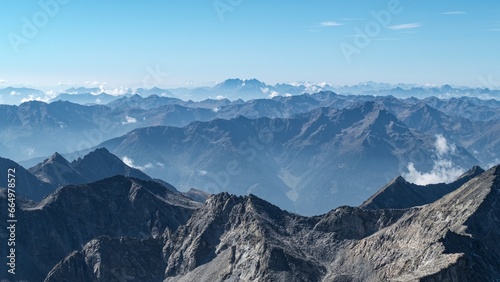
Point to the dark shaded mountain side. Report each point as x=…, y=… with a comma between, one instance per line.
x=27, y=185
x=245, y=238
x=74, y=215
x=400, y=194
x=56, y=171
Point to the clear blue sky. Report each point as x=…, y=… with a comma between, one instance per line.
x=116, y=42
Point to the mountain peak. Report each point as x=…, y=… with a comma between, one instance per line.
x=402, y=194
x=101, y=153
x=56, y=157
x=399, y=179
x=96, y=165
x=474, y=171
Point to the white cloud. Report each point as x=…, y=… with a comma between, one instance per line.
x=353, y=19
x=94, y=83
x=220, y=97
x=443, y=169
x=330, y=23
x=51, y=94
x=264, y=90
x=273, y=94
x=128, y=161
x=202, y=172
x=33, y=98
x=454, y=13
x=116, y=91
x=14, y=93
x=405, y=26
x=216, y=109
x=288, y=95
x=2, y=81
x=129, y=120
x=442, y=146
x=386, y=39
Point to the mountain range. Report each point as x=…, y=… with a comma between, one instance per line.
x=86, y=126
x=246, y=89
x=291, y=151
x=302, y=152
x=305, y=163
x=126, y=229
x=98, y=164
x=44, y=178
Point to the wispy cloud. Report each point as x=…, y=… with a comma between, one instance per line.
x=94, y=83
x=405, y=26
x=130, y=162
x=2, y=81
x=129, y=120
x=273, y=94
x=353, y=19
x=330, y=23
x=444, y=170
x=454, y=13
x=35, y=98
x=386, y=39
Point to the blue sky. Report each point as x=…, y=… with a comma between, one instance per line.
x=124, y=43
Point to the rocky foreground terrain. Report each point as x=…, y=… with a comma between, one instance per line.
x=126, y=229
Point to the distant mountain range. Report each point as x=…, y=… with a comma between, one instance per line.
x=45, y=177
x=126, y=229
x=264, y=174
x=69, y=127
x=246, y=89
x=305, y=163
x=97, y=165
x=305, y=151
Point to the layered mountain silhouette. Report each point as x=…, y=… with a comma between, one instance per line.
x=72, y=216
x=42, y=179
x=400, y=194
x=127, y=229
x=28, y=185
x=70, y=127
x=96, y=165
x=305, y=163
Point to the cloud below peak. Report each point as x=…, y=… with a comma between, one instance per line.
x=443, y=170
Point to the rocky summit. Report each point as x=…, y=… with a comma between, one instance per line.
x=126, y=229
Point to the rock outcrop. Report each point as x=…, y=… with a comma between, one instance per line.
x=247, y=239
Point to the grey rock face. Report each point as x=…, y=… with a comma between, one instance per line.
x=74, y=215
x=247, y=239
x=111, y=259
